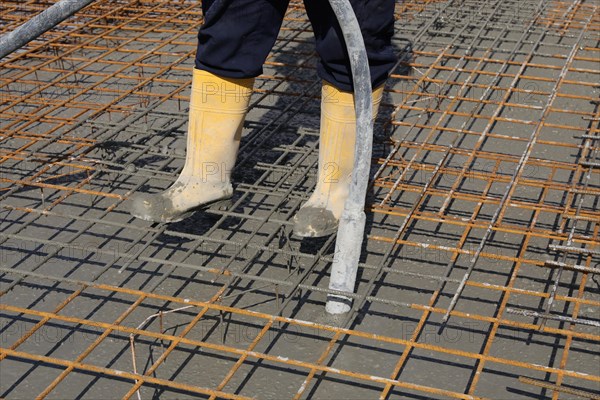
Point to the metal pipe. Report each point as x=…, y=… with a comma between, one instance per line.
x=352, y=222
x=39, y=24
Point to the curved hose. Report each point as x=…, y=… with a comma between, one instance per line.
x=352, y=222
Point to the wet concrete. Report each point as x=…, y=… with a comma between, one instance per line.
x=89, y=240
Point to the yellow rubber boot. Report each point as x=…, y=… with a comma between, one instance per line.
x=320, y=215
x=218, y=107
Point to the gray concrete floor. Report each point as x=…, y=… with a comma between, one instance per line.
x=485, y=129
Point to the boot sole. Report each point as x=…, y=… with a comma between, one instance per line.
x=217, y=205
x=312, y=222
x=315, y=233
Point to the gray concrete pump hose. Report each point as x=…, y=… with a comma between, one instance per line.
x=352, y=222
x=39, y=24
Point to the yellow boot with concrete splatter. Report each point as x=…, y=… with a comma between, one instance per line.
x=218, y=107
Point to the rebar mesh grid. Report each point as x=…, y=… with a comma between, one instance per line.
x=480, y=269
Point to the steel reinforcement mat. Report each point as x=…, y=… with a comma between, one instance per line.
x=480, y=268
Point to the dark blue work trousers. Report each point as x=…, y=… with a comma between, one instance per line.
x=237, y=36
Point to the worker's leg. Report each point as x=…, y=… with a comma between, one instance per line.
x=233, y=44
x=319, y=216
x=376, y=19
x=237, y=36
